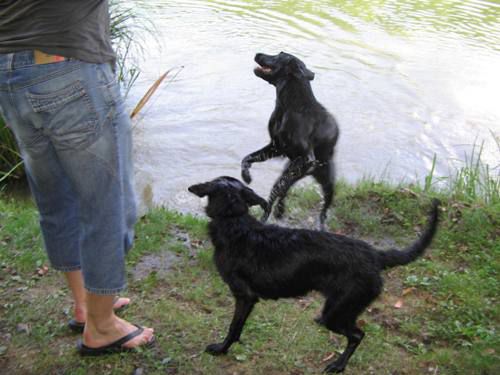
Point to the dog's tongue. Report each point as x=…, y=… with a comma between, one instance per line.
x=265, y=69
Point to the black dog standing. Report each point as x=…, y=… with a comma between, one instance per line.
x=300, y=128
x=267, y=261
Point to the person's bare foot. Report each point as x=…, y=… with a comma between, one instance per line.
x=113, y=330
x=80, y=312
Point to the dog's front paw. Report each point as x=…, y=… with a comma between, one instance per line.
x=334, y=368
x=216, y=349
x=245, y=174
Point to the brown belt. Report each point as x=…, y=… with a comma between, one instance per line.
x=45, y=58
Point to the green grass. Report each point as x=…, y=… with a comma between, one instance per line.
x=447, y=323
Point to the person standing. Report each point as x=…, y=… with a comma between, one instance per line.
x=60, y=97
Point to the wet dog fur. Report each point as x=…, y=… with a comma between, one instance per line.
x=260, y=261
x=300, y=128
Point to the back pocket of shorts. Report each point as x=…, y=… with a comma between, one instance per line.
x=68, y=116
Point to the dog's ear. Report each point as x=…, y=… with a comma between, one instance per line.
x=299, y=70
x=227, y=204
x=252, y=199
x=201, y=190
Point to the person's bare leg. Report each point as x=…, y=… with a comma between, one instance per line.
x=75, y=284
x=103, y=327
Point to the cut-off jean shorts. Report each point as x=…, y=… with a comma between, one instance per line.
x=74, y=136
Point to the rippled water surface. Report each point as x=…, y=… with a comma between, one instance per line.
x=405, y=79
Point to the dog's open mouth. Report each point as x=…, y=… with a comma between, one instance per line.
x=264, y=69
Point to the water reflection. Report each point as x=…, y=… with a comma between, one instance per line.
x=477, y=19
x=406, y=80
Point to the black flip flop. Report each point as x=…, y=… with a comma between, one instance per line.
x=78, y=327
x=115, y=347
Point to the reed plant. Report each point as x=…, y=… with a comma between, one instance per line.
x=474, y=181
x=10, y=160
x=122, y=23
x=128, y=28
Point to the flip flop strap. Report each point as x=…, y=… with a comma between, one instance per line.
x=129, y=337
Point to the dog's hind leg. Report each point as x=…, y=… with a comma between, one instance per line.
x=325, y=175
x=296, y=170
x=280, y=206
x=343, y=323
x=242, y=310
x=265, y=153
x=354, y=336
x=340, y=314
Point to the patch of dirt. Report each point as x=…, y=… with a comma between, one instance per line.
x=192, y=245
x=381, y=243
x=160, y=263
x=386, y=319
x=292, y=220
x=51, y=286
x=349, y=228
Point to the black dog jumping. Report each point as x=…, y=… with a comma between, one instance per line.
x=270, y=262
x=300, y=128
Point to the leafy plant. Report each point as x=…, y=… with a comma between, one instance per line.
x=10, y=160
x=126, y=30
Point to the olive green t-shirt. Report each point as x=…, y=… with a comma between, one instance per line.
x=70, y=28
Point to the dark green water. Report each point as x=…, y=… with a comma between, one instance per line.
x=405, y=79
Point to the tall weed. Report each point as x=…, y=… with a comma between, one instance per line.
x=474, y=181
x=10, y=160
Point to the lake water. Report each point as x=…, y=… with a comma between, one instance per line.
x=406, y=80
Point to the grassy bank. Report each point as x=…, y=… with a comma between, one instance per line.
x=436, y=316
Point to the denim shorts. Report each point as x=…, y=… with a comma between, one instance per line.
x=74, y=136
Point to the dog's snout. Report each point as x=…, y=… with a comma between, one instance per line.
x=198, y=189
x=258, y=57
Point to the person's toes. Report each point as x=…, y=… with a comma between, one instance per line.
x=145, y=338
x=121, y=302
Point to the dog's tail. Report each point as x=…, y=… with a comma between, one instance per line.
x=393, y=257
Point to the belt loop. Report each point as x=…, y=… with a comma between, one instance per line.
x=10, y=61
